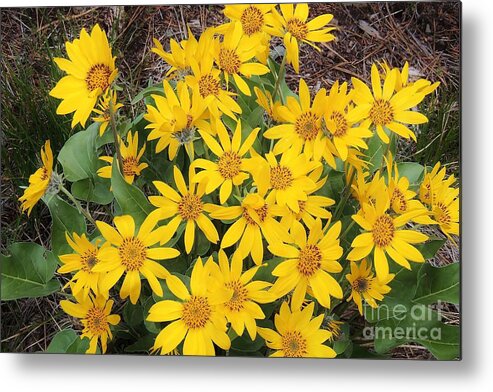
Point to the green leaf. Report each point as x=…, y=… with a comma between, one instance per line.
x=65, y=219
x=430, y=248
x=142, y=345
x=67, y=341
x=412, y=170
x=376, y=151
x=265, y=271
x=78, y=156
x=155, y=89
x=438, y=284
x=94, y=189
x=27, y=273
x=246, y=344
x=131, y=199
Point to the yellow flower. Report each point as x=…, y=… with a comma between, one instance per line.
x=91, y=71
x=186, y=206
x=130, y=156
x=195, y=317
x=96, y=317
x=39, y=182
x=402, y=80
x=304, y=124
x=233, y=57
x=131, y=254
x=242, y=309
x=254, y=220
x=308, y=265
x=175, y=117
x=333, y=326
x=287, y=179
x=365, y=286
x=433, y=182
x=104, y=118
x=445, y=209
x=82, y=261
x=384, y=109
x=266, y=102
x=384, y=234
x=298, y=334
x=344, y=129
x=231, y=167
x=292, y=25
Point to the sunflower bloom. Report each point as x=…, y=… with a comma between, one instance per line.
x=445, y=209
x=195, y=317
x=131, y=255
x=242, y=309
x=303, y=126
x=91, y=71
x=298, y=334
x=384, y=235
x=185, y=206
x=108, y=102
x=131, y=159
x=267, y=103
x=292, y=25
x=95, y=315
x=386, y=109
x=231, y=167
x=309, y=264
x=365, y=286
x=82, y=262
x=39, y=182
x=254, y=220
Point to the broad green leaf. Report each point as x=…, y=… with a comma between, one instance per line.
x=154, y=89
x=94, y=189
x=67, y=341
x=142, y=345
x=65, y=219
x=245, y=344
x=430, y=248
x=412, y=170
x=265, y=271
x=27, y=273
x=438, y=284
x=131, y=199
x=376, y=151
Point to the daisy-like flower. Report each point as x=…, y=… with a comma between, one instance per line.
x=82, y=261
x=175, y=118
x=185, y=206
x=343, y=127
x=309, y=264
x=433, y=182
x=384, y=108
x=205, y=79
x=195, y=316
x=108, y=102
x=131, y=254
x=131, y=159
x=231, y=168
x=365, y=286
x=39, y=182
x=384, y=235
x=292, y=25
x=303, y=126
x=402, y=80
x=91, y=71
x=233, y=56
x=242, y=309
x=445, y=209
x=254, y=220
x=298, y=334
x=267, y=103
x=287, y=179
x=95, y=315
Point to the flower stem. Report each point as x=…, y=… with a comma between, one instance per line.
x=279, y=76
x=78, y=205
x=115, y=135
x=346, y=193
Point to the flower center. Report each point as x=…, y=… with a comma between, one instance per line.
x=132, y=253
x=190, y=207
x=208, y=85
x=229, y=165
x=297, y=28
x=96, y=321
x=252, y=20
x=184, y=136
x=129, y=166
x=442, y=214
x=44, y=174
x=229, y=61
x=309, y=260
x=383, y=231
x=382, y=112
x=98, y=77
x=306, y=126
x=361, y=285
x=280, y=177
x=398, y=201
x=293, y=344
x=240, y=295
x=196, y=312
x=341, y=125
x=261, y=212
x=88, y=260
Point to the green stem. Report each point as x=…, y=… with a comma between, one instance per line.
x=78, y=205
x=279, y=77
x=115, y=135
x=345, y=197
